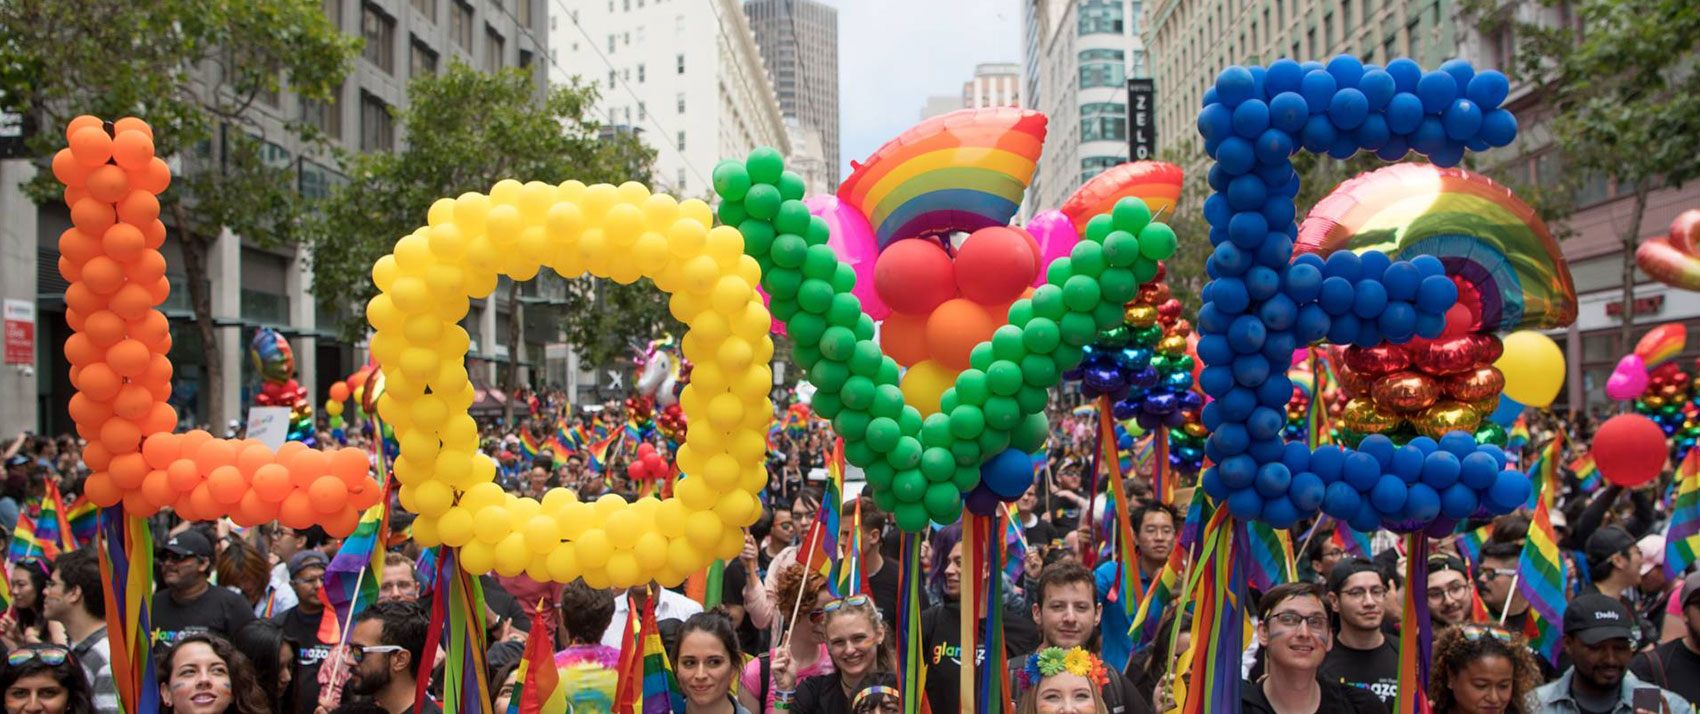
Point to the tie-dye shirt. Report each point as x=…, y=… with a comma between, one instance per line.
x=589, y=675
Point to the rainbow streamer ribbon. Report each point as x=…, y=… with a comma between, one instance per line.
x=1271, y=555
x=912, y=672
x=1416, y=639
x=458, y=610
x=1219, y=616
x=1682, y=538
x=126, y=568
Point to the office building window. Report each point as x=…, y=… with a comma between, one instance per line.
x=324, y=116
x=1101, y=68
x=681, y=102
x=681, y=146
x=612, y=75
x=379, y=31
x=333, y=11
x=1103, y=121
x=428, y=8
x=681, y=62
x=1094, y=165
x=1328, y=32
x=643, y=112
x=640, y=73
x=377, y=128
x=522, y=12
x=610, y=43
x=421, y=59
x=460, y=24
x=495, y=49
x=1100, y=17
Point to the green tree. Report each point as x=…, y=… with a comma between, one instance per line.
x=196, y=71
x=465, y=131
x=1622, y=81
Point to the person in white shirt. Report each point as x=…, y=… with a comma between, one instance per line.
x=669, y=605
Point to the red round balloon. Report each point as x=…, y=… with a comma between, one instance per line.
x=994, y=265
x=1629, y=450
x=914, y=276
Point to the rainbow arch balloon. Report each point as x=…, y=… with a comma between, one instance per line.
x=962, y=171
x=1157, y=183
x=1482, y=232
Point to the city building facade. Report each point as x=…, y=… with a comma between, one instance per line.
x=253, y=286
x=799, y=46
x=995, y=84
x=1077, y=58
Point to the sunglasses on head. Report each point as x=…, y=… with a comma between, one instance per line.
x=1476, y=632
x=51, y=655
x=819, y=615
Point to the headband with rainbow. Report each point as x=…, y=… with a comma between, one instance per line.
x=962, y=171
x=1052, y=661
x=1481, y=232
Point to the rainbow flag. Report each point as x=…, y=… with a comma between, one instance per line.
x=1354, y=543
x=25, y=543
x=1271, y=556
x=1015, y=542
x=1586, y=472
x=596, y=454
x=1540, y=577
x=351, y=579
x=1415, y=643
x=1518, y=436
x=126, y=569
x=1158, y=595
x=824, y=533
x=1543, y=474
x=1470, y=543
x=537, y=686
x=661, y=694
x=628, y=694
x=84, y=518
x=51, y=525
x=528, y=444
x=847, y=569
x=1682, y=538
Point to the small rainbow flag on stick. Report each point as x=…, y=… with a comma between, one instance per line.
x=1682, y=539
x=537, y=685
x=1540, y=577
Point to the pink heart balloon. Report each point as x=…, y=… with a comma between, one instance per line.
x=1056, y=236
x=1629, y=379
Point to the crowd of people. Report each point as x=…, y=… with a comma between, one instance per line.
x=238, y=614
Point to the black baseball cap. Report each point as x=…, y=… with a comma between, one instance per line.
x=1594, y=618
x=1690, y=588
x=1438, y=562
x=1605, y=543
x=1347, y=567
x=189, y=543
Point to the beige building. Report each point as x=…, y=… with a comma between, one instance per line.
x=1190, y=42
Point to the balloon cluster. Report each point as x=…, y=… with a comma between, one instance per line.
x=648, y=465
x=1143, y=363
x=662, y=374
x=942, y=308
x=1426, y=387
x=202, y=478
x=624, y=233
x=1261, y=303
x=274, y=360
x=1666, y=402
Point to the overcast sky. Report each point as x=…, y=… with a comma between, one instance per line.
x=893, y=54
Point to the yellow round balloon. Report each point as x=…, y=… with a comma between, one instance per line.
x=1533, y=366
x=924, y=383
x=620, y=233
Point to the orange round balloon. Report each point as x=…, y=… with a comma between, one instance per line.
x=100, y=489
x=184, y=475
x=128, y=470
x=329, y=494
x=202, y=501
x=153, y=178
x=80, y=298
x=121, y=436
x=339, y=391
x=351, y=466
x=226, y=484
x=85, y=410
x=307, y=466
x=954, y=328
x=104, y=328
x=124, y=242
x=154, y=231
x=78, y=246
x=252, y=457
x=103, y=275
x=213, y=453
x=136, y=503
x=132, y=149
x=904, y=337
x=133, y=402
x=90, y=145
x=297, y=510
x=108, y=184
x=342, y=523
x=131, y=301
x=255, y=510
x=98, y=381
x=68, y=170
x=272, y=482
x=132, y=124
x=138, y=208
x=157, y=487
x=92, y=217
x=80, y=349
x=365, y=496
x=129, y=357
x=96, y=457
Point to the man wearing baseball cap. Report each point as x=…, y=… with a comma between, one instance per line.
x=1599, y=636
x=188, y=603
x=1614, y=562
x=1675, y=665
x=302, y=624
x=1448, y=591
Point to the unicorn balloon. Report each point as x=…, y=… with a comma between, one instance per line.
x=658, y=371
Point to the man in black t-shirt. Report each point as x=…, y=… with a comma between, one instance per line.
x=388, y=642
x=1675, y=665
x=1038, y=531
x=1067, y=610
x=1362, y=655
x=301, y=624
x=189, y=604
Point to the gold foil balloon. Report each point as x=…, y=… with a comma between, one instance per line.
x=1195, y=430
x=1653, y=400
x=1173, y=345
x=1486, y=406
x=1141, y=315
x=1405, y=391
x=1477, y=384
x=1361, y=415
x=1447, y=416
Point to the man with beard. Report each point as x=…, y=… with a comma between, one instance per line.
x=301, y=624
x=1599, y=636
x=1292, y=629
x=1067, y=612
x=1675, y=665
x=1448, y=591
x=189, y=604
x=388, y=643
x=1153, y=538
x=1362, y=656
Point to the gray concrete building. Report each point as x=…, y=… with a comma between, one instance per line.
x=254, y=287
x=799, y=46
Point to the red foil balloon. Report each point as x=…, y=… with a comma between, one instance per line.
x=1405, y=391
x=1384, y=358
x=1448, y=355
x=1475, y=385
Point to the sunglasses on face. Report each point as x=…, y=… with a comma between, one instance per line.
x=50, y=655
x=359, y=653
x=819, y=615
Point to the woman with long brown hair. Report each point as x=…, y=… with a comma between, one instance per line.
x=204, y=674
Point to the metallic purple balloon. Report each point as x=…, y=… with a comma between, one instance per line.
x=982, y=502
x=1056, y=236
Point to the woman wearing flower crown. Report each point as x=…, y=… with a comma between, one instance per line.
x=1059, y=681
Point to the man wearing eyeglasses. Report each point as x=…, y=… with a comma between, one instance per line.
x=189, y=603
x=1153, y=538
x=1448, y=591
x=73, y=599
x=1323, y=553
x=388, y=644
x=301, y=624
x=1362, y=656
x=1494, y=579
x=1292, y=630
